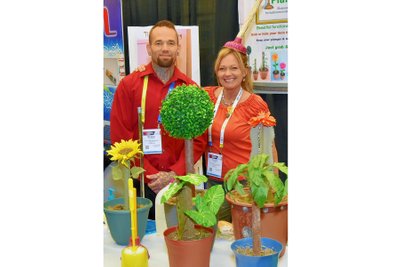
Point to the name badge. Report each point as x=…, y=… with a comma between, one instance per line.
x=152, y=141
x=214, y=164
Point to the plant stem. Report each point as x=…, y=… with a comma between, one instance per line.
x=126, y=192
x=256, y=229
x=185, y=225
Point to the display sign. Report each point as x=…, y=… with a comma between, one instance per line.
x=267, y=40
x=114, y=61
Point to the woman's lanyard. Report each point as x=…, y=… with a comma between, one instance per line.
x=144, y=93
x=222, y=133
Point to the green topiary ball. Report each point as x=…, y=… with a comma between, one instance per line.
x=187, y=112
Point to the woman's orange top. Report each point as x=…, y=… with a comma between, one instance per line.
x=237, y=143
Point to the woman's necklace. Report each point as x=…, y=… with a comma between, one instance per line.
x=228, y=105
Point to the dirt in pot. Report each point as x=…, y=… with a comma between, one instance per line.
x=199, y=234
x=121, y=207
x=248, y=251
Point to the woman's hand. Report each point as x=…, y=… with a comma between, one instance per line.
x=140, y=68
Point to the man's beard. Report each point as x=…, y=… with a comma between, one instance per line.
x=165, y=63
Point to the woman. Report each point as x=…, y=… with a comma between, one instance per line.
x=227, y=142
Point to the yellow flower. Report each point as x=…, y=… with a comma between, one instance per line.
x=124, y=151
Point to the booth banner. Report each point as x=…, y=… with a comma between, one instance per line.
x=267, y=40
x=113, y=35
x=114, y=62
x=188, y=60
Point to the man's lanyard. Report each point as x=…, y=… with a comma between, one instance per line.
x=222, y=133
x=144, y=93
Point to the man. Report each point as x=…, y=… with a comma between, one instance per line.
x=164, y=155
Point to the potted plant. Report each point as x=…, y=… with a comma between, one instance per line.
x=185, y=250
x=264, y=190
x=255, y=71
x=186, y=113
x=264, y=69
x=265, y=194
x=283, y=67
x=275, y=58
x=117, y=210
x=248, y=52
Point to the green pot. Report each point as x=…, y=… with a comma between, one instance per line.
x=119, y=221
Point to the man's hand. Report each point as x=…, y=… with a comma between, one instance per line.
x=160, y=180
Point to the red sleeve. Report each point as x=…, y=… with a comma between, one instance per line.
x=121, y=120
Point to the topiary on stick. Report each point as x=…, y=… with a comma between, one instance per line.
x=185, y=114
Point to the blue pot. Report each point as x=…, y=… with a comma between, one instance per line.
x=257, y=261
x=119, y=221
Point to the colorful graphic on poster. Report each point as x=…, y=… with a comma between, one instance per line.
x=188, y=60
x=113, y=35
x=114, y=61
x=108, y=96
x=267, y=40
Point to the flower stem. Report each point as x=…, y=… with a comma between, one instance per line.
x=126, y=191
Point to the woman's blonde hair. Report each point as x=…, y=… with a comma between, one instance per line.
x=247, y=83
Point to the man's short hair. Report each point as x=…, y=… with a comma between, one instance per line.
x=164, y=23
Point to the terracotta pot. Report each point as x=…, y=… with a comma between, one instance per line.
x=193, y=253
x=255, y=76
x=274, y=221
x=264, y=74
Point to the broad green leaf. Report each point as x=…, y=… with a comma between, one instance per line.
x=233, y=175
x=193, y=178
x=281, y=166
x=259, y=194
x=228, y=187
x=276, y=183
x=239, y=188
x=118, y=172
x=256, y=178
x=200, y=203
x=205, y=218
x=285, y=192
x=172, y=190
x=256, y=175
x=136, y=171
x=214, y=197
x=258, y=161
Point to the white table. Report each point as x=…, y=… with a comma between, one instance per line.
x=221, y=254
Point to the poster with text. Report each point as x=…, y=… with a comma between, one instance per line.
x=266, y=40
x=188, y=60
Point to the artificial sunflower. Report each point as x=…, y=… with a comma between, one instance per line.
x=124, y=151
